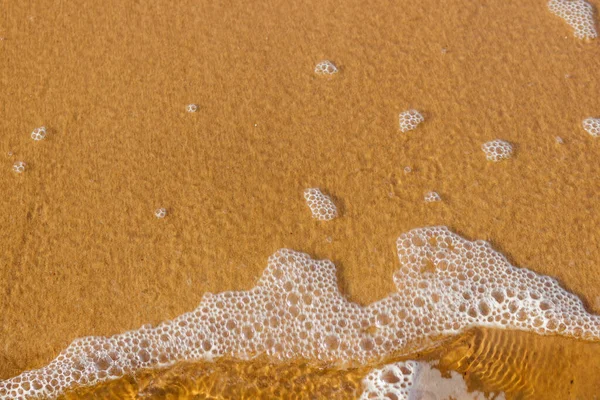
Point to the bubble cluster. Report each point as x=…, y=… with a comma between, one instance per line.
x=592, y=126
x=393, y=381
x=445, y=285
x=191, y=108
x=160, y=213
x=39, y=133
x=432, y=197
x=579, y=14
x=417, y=380
x=497, y=150
x=19, y=167
x=409, y=120
x=325, y=67
x=321, y=206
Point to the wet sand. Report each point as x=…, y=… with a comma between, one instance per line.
x=82, y=253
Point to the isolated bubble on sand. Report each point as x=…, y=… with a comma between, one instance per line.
x=160, y=213
x=409, y=120
x=321, y=205
x=445, y=285
x=579, y=14
x=497, y=150
x=325, y=67
x=559, y=140
x=592, y=126
x=408, y=380
x=19, y=167
x=191, y=108
x=432, y=197
x=39, y=133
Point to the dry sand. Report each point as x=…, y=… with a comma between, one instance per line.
x=81, y=251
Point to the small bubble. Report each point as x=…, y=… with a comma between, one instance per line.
x=407, y=169
x=325, y=67
x=191, y=108
x=160, y=213
x=409, y=120
x=497, y=150
x=432, y=197
x=444, y=50
x=19, y=167
x=39, y=133
x=592, y=126
x=559, y=140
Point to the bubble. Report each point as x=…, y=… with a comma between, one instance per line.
x=409, y=120
x=39, y=133
x=160, y=213
x=578, y=14
x=325, y=67
x=432, y=197
x=19, y=167
x=497, y=150
x=332, y=342
x=592, y=126
x=191, y=108
x=559, y=140
x=321, y=206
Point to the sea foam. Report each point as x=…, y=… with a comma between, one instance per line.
x=19, y=167
x=445, y=285
x=408, y=380
x=321, y=206
x=579, y=14
x=409, y=120
x=39, y=133
x=497, y=150
x=325, y=67
x=592, y=126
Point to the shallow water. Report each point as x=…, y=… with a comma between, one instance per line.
x=514, y=363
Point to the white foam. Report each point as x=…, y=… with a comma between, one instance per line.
x=579, y=14
x=445, y=285
x=19, y=167
x=592, y=126
x=497, y=150
x=325, y=67
x=39, y=133
x=432, y=197
x=321, y=205
x=411, y=380
x=392, y=381
x=160, y=213
x=409, y=120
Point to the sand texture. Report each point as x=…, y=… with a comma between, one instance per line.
x=81, y=251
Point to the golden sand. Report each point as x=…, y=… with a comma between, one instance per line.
x=82, y=253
